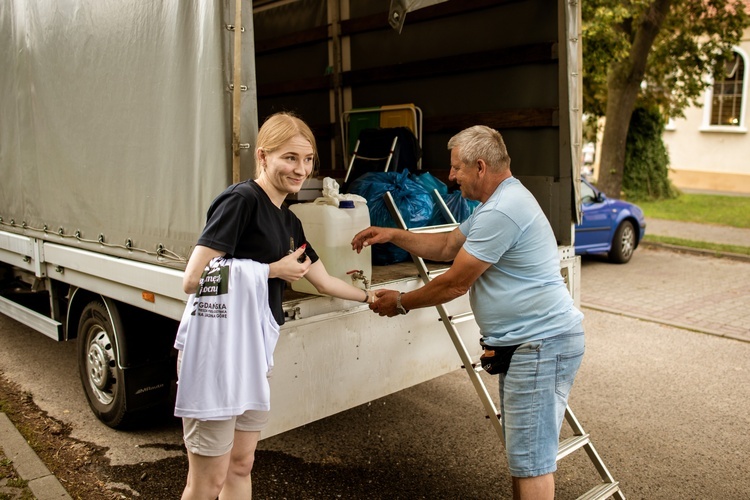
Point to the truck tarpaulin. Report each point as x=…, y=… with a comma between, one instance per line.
x=116, y=120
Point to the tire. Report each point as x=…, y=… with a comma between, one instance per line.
x=623, y=244
x=102, y=378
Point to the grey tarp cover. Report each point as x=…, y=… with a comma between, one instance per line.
x=115, y=118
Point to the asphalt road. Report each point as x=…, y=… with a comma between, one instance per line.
x=667, y=409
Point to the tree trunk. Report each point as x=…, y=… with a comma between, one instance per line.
x=622, y=92
x=623, y=82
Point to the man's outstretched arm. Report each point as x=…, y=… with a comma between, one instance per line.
x=439, y=247
x=466, y=269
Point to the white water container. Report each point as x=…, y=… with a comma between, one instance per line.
x=330, y=230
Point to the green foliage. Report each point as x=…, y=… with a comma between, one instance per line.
x=590, y=128
x=695, y=38
x=602, y=44
x=646, y=158
x=17, y=483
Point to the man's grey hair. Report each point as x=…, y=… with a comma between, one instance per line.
x=481, y=142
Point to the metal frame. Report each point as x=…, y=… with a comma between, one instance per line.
x=356, y=156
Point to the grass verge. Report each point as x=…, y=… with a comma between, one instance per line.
x=701, y=208
x=704, y=208
x=702, y=245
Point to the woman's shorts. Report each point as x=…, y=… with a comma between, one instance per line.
x=533, y=397
x=213, y=438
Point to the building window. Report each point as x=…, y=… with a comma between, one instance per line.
x=726, y=99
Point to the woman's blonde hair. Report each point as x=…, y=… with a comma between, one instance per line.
x=279, y=128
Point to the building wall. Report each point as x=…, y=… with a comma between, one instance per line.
x=711, y=158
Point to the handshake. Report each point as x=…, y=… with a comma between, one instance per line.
x=383, y=302
x=387, y=303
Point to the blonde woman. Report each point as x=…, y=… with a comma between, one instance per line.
x=249, y=221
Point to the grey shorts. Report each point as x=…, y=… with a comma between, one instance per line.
x=213, y=438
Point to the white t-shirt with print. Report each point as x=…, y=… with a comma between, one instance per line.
x=227, y=337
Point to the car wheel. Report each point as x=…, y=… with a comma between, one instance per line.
x=623, y=244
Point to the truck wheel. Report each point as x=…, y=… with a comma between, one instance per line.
x=623, y=244
x=102, y=378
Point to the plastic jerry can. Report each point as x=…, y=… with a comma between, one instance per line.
x=330, y=230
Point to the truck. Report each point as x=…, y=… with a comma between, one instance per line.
x=120, y=122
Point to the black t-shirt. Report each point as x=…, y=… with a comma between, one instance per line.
x=243, y=222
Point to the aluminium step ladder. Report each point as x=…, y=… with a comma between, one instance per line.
x=580, y=439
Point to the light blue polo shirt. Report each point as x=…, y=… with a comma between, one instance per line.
x=522, y=296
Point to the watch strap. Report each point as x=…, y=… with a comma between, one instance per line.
x=399, y=307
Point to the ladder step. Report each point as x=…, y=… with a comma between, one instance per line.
x=437, y=272
x=441, y=228
x=600, y=492
x=460, y=318
x=571, y=444
x=477, y=367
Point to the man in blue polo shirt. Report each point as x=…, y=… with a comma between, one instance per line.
x=506, y=255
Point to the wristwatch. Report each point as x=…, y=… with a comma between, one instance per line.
x=399, y=307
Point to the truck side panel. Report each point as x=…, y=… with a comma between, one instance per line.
x=116, y=121
x=320, y=371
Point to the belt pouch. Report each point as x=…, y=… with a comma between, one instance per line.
x=496, y=359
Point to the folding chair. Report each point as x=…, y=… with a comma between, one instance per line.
x=387, y=116
x=382, y=150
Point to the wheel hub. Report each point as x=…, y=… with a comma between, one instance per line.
x=628, y=242
x=98, y=365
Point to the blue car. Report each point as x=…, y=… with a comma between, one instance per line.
x=610, y=226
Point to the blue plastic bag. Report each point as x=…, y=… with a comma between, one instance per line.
x=460, y=207
x=431, y=183
x=412, y=199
